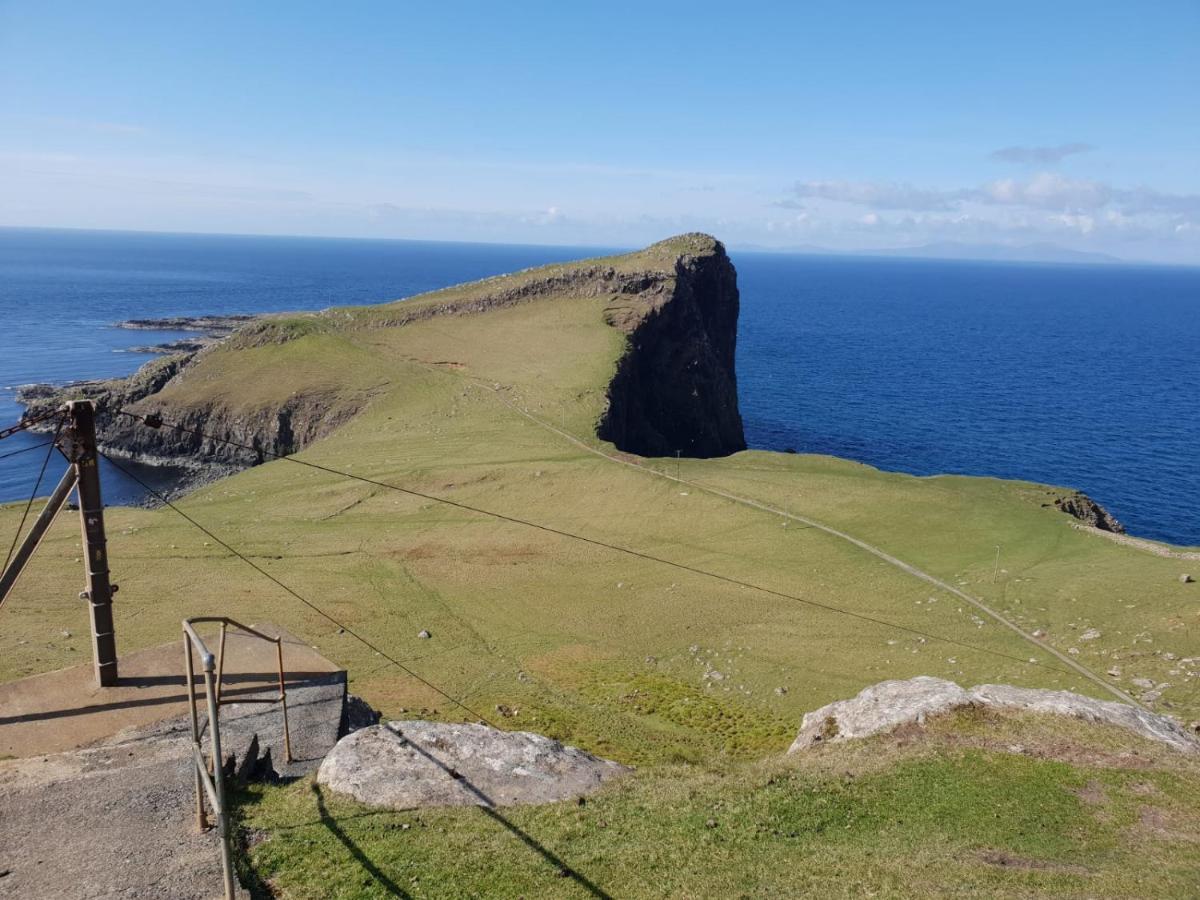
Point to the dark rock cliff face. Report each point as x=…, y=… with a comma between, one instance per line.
x=1088, y=511
x=208, y=438
x=237, y=440
x=675, y=389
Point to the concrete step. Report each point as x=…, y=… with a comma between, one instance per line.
x=117, y=818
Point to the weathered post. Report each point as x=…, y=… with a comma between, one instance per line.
x=81, y=440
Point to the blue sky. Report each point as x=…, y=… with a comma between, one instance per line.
x=840, y=125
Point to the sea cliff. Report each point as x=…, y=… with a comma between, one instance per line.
x=673, y=387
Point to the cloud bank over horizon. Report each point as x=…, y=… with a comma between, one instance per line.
x=1041, y=206
x=1079, y=213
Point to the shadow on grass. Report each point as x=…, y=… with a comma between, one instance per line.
x=354, y=850
x=253, y=882
x=561, y=867
x=488, y=807
x=261, y=891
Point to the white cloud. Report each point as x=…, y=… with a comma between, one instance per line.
x=1146, y=200
x=1048, y=190
x=1041, y=191
x=1084, y=224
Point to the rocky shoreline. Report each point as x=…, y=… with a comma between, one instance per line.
x=212, y=330
x=674, y=390
x=118, y=393
x=1082, y=507
x=208, y=324
x=681, y=349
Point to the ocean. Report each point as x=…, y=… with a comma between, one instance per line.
x=1085, y=376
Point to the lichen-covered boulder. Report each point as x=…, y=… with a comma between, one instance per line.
x=880, y=708
x=883, y=707
x=404, y=765
x=1064, y=703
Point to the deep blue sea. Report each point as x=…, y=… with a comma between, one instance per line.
x=1087, y=376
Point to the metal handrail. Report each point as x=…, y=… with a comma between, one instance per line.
x=211, y=780
x=211, y=783
x=225, y=622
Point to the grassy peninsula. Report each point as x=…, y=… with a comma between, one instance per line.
x=490, y=395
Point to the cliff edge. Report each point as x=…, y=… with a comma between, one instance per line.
x=673, y=387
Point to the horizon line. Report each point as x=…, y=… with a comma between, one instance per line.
x=877, y=253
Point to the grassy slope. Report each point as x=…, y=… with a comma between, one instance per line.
x=602, y=649
x=947, y=815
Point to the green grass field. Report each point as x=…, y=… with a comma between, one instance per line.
x=674, y=671
x=949, y=815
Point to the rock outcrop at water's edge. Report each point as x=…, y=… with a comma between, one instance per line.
x=674, y=388
x=1088, y=511
x=210, y=439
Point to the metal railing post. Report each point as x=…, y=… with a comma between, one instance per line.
x=220, y=661
x=213, y=782
x=201, y=819
x=219, y=779
x=287, y=732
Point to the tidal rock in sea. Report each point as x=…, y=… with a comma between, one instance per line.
x=211, y=325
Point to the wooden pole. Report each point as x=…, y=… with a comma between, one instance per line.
x=82, y=435
x=10, y=575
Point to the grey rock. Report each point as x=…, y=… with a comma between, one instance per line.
x=1065, y=703
x=1186, y=579
x=1088, y=511
x=424, y=635
x=879, y=708
x=213, y=325
x=883, y=707
x=403, y=765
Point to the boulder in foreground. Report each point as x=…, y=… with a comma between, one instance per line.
x=403, y=765
x=884, y=707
